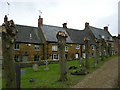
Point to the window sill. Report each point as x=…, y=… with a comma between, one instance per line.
x=16, y=49
x=54, y=51
x=37, y=50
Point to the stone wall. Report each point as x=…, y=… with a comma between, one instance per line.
x=25, y=49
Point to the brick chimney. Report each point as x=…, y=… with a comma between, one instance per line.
x=106, y=28
x=64, y=25
x=5, y=19
x=40, y=21
x=86, y=24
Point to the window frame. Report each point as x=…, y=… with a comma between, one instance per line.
x=54, y=48
x=36, y=57
x=77, y=46
x=84, y=55
x=16, y=58
x=53, y=57
x=37, y=47
x=66, y=48
x=83, y=47
x=16, y=46
x=93, y=47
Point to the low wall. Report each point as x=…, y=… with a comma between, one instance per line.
x=30, y=63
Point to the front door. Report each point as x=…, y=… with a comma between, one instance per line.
x=55, y=56
x=77, y=55
x=66, y=56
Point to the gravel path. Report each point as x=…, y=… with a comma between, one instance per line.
x=104, y=77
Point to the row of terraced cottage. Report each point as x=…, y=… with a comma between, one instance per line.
x=40, y=43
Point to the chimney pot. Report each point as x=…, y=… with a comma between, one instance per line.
x=64, y=25
x=40, y=21
x=86, y=24
x=5, y=18
x=106, y=28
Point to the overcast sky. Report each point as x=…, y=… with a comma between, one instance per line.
x=98, y=13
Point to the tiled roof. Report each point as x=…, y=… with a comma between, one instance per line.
x=28, y=34
x=98, y=33
x=78, y=36
x=51, y=31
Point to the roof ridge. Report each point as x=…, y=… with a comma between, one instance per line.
x=52, y=26
x=26, y=26
x=75, y=29
x=95, y=27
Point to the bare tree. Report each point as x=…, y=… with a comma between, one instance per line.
x=87, y=46
x=61, y=36
x=97, y=50
x=8, y=37
x=102, y=41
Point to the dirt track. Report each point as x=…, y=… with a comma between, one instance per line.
x=104, y=77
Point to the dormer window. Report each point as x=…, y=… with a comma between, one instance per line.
x=30, y=36
x=102, y=37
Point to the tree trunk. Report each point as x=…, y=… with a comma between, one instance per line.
x=8, y=36
x=102, y=49
x=97, y=51
x=62, y=60
x=87, y=46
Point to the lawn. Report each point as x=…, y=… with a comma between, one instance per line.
x=49, y=79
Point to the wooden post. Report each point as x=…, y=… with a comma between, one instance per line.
x=61, y=36
x=8, y=37
x=87, y=46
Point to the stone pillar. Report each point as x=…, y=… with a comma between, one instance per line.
x=87, y=46
x=61, y=36
x=8, y=37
